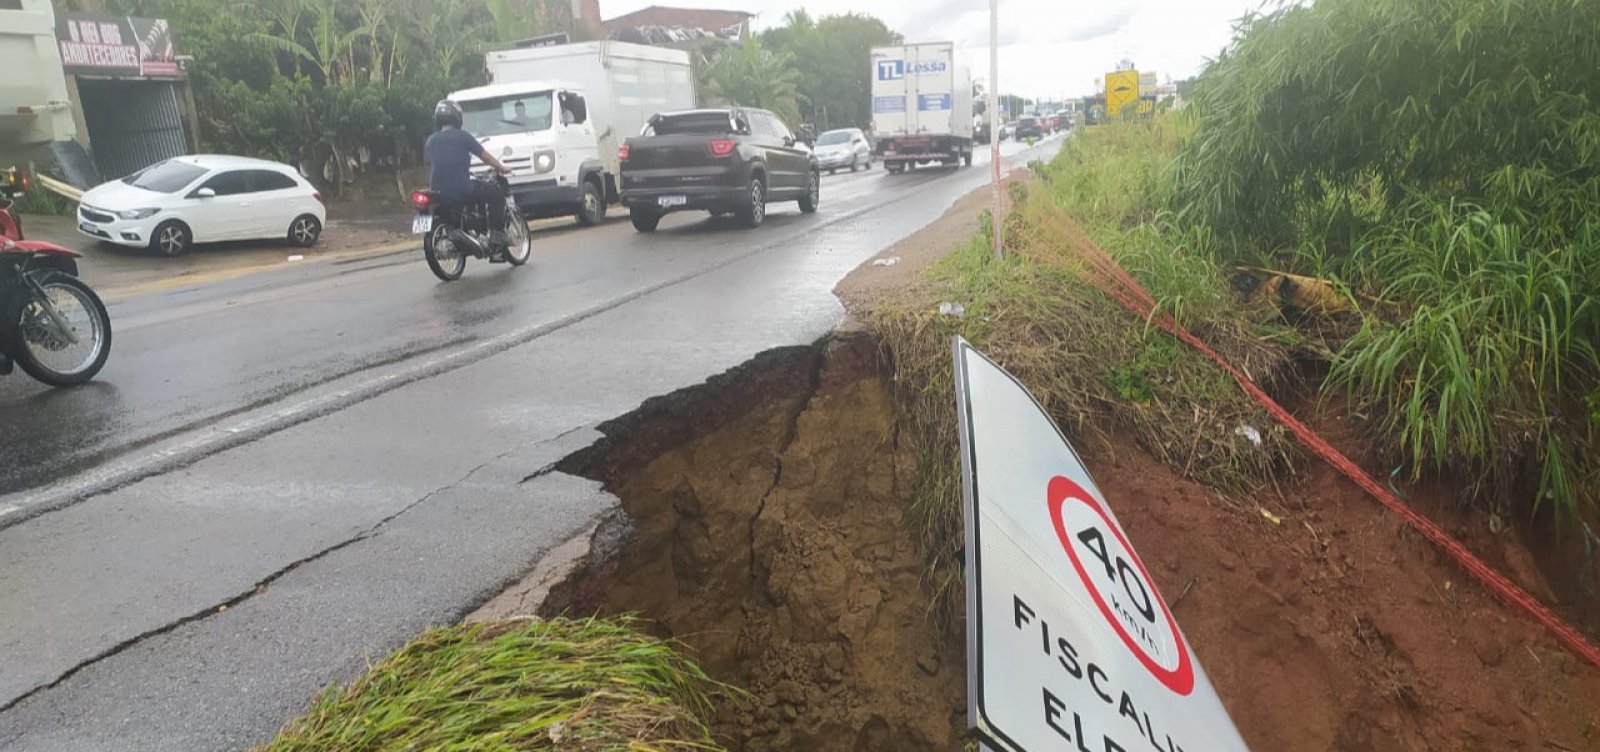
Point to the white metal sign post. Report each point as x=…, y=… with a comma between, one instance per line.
x=996, y=218
x=1069, y=645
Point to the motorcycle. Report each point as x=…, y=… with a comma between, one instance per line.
x=51, y=323
x=453, y=231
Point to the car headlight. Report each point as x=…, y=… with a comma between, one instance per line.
x=137, y=213
x=544, y=162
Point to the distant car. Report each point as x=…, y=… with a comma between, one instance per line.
x=1029, y=127
x=1008, y=130
x=1064, y=120
x=727, y=160
x=846, y=147
x=170, y=206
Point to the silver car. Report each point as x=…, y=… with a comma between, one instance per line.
x=843, y=148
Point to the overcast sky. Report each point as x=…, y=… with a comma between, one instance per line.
x=1047, y=47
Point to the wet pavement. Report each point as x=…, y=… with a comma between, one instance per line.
x=118, y=272
x=279, y=477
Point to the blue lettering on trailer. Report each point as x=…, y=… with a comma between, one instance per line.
x=888, y=104
x=894, y=70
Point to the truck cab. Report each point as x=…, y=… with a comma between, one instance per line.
x=543, y=132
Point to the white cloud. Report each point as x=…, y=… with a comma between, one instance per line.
x=1048, y=48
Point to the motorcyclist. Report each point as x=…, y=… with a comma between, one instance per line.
x=449, y=152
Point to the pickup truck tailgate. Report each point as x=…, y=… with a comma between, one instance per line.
x=664, y=161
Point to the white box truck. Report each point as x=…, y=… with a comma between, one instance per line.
x=556, y=115
x=921, y=105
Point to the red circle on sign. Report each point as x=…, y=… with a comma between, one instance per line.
x=1180, y=679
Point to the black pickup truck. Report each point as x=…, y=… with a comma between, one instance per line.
x=731, y=160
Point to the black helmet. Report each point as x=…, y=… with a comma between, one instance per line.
x=446, y=113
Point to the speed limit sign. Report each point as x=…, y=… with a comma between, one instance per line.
x=1070, y=645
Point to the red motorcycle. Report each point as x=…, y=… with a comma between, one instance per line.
x=51, y=323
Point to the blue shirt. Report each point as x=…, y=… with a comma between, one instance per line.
x=449, y=155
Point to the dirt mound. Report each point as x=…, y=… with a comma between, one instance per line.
x=770, y=537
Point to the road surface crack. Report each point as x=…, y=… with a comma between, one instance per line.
x=258, y=588
x=553, y=466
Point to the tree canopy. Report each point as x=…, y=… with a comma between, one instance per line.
x=832, y=57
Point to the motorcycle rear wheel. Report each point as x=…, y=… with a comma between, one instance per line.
x=446, y=260
x=519, y=242
x=39, y=347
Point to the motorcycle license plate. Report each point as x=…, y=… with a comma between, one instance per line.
x=666, y=201
x=421, y=223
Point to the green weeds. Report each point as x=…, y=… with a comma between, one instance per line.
x=532, y=685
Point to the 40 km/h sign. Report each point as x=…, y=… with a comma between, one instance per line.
x=1069, y=645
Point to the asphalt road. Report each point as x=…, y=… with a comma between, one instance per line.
x=280, y=477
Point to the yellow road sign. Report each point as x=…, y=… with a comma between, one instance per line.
x=1122, y=89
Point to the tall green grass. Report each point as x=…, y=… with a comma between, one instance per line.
x=586, y=685
x=1492, y=362
x=1444, y=156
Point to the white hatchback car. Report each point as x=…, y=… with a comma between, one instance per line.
x=169, y=206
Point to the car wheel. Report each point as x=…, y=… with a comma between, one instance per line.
x=593, y=209
x=304, y=231
x=644, y=220
x=754, y=214
x=171, y=238
x=813, y=197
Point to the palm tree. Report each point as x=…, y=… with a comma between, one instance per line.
x=331, y=51
x=447, y=29
x=751, y=75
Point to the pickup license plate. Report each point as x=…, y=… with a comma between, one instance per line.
x=666, y=201
x=421, y=223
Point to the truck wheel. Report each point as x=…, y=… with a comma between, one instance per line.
x=813, y=197
x=894, y=168
x=592, y=210
x=644, y=220
x=966, y=159
x=754, y=214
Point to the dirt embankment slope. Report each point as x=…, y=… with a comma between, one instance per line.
x=771, y=509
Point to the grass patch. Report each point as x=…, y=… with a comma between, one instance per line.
x=1094, y=367
x=40, y=202
x=1435, y=154
x=586, y=685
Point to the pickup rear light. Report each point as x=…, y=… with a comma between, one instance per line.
x=420, y=199
x=622, y=152
x=722, y=147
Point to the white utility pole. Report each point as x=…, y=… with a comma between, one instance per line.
x=996, y=218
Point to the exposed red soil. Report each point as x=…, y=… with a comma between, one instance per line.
x=770, y=505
